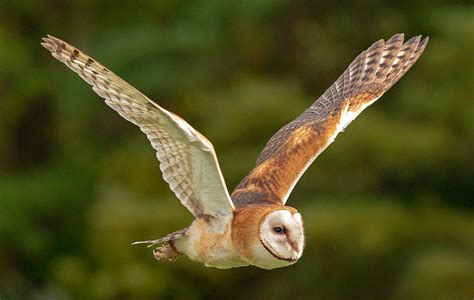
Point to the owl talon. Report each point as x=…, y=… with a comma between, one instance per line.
x=165, y=253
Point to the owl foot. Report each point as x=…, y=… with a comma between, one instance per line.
x=166, y=252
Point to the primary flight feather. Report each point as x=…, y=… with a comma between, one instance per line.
x=253, y=226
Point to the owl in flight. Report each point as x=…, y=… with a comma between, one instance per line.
x=252, y=226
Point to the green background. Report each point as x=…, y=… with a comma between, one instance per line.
x=388, y=208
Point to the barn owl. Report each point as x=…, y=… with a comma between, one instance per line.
x=253, y=225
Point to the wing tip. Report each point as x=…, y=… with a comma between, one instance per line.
x=401, y=36
x=396, y=37
x=424, y=43
x=414, y=40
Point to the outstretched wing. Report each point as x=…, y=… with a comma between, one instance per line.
x=295, y=146
x=188, y=160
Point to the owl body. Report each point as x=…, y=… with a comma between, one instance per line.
x=240, y=242
x=211, y=243
x=253, y=225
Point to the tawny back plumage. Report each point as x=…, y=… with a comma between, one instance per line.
x=294, y=147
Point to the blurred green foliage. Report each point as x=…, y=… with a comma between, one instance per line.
x=388, y=208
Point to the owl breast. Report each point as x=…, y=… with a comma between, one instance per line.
x=210, y=243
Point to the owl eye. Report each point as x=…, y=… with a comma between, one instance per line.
x=279, y=229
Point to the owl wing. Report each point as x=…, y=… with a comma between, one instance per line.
x=294, y=147
x=188, y=161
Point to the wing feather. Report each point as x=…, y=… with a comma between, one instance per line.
x=188, y=161
x=295, y=146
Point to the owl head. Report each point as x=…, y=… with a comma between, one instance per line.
x=272, y=236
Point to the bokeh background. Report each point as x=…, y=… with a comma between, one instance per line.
x=388, y=207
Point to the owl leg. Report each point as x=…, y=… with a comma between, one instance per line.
x=167, y=251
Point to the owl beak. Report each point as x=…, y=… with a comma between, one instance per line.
x=294, y=246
